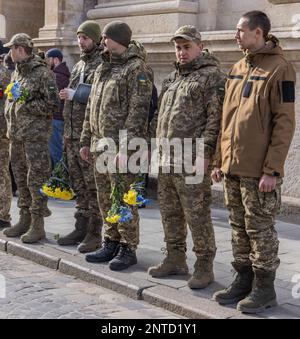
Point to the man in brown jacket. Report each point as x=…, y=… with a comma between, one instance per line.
x=257, y=128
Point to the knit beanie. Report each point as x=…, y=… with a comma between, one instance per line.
x=91, y=29
x=119, y=32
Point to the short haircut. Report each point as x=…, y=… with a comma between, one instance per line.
x=258, y=19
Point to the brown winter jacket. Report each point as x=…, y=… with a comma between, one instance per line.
x=258, y=120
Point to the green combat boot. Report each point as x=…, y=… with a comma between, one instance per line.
x=22, y=225
x=36, y=231
x=239, y=289
x=78, y=234
x=263, y=295
x=92, y=240
x=173, y=264
x=203, y=274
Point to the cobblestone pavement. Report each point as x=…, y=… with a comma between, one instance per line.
x=33, y=291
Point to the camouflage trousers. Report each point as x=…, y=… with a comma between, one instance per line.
x=5, y=181
x=125, y=233
x=82, y=181
x=181, y=204
x=252, y=218
x=31, y=167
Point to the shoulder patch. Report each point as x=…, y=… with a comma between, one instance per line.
x=142, y=78
x=288, y=91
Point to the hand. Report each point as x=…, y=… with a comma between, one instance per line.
x=216, y=174
x=63, y=94
x=267, y=183
x=66, y=94
x=85, y=153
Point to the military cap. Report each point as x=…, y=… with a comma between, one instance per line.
x=91, y=29
x=187, y=32
x=20, y=39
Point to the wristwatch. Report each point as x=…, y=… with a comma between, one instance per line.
x=276, y=174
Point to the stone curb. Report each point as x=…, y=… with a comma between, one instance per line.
x=109, y=282
x=36, y=256
x=165, y=297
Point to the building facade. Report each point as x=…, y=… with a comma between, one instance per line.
x=54, y=23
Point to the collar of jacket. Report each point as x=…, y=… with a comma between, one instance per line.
x=24, y=67
x=88, y=56
x=134, y=50
x=271, y=48
x=204, y=60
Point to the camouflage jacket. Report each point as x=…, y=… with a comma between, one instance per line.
x=190, y=103
x=120, y=98
x=4, y=81
x=31, y=117
x=74, y=111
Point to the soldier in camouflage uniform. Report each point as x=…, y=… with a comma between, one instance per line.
x=257, y=128
x=5, y=181
x=190, y=106
x=88, y=219
x=120, y=100
x=29, y=118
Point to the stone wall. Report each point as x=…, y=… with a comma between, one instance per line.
x=26, y=16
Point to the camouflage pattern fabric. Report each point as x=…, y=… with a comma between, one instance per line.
x=31, y=119
x=73, y=111
x=82, y=181
x=182, y=205
x=190, y=103
x=126, y=233
x=252, y=218
x=4, y=81
x=5, y=181
x=31, y=167
x=120, y=98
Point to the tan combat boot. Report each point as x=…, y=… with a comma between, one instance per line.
x=92, y=240
x=173, y=264
x=36, y=231
x=262, y=296
x=78, y=234
x=203, y=274
x=239, y=288
x=22, y=225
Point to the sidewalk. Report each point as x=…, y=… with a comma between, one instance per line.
x=171, y=293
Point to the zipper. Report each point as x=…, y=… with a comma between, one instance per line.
x=235, y=115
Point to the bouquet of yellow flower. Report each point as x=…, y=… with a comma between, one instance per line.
x=58, y=185
x=16, y=93
x=134, y=197
x=122, y=203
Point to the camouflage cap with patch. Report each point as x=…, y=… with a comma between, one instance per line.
x=20, y=39
x=187, y=32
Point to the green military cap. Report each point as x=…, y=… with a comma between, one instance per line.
x=187, y=32
x=20, y=39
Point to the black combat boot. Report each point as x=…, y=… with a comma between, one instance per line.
x=106, y=253
x=4, y=224
x=263, y=294
x=239, y=289
x=126, y=257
